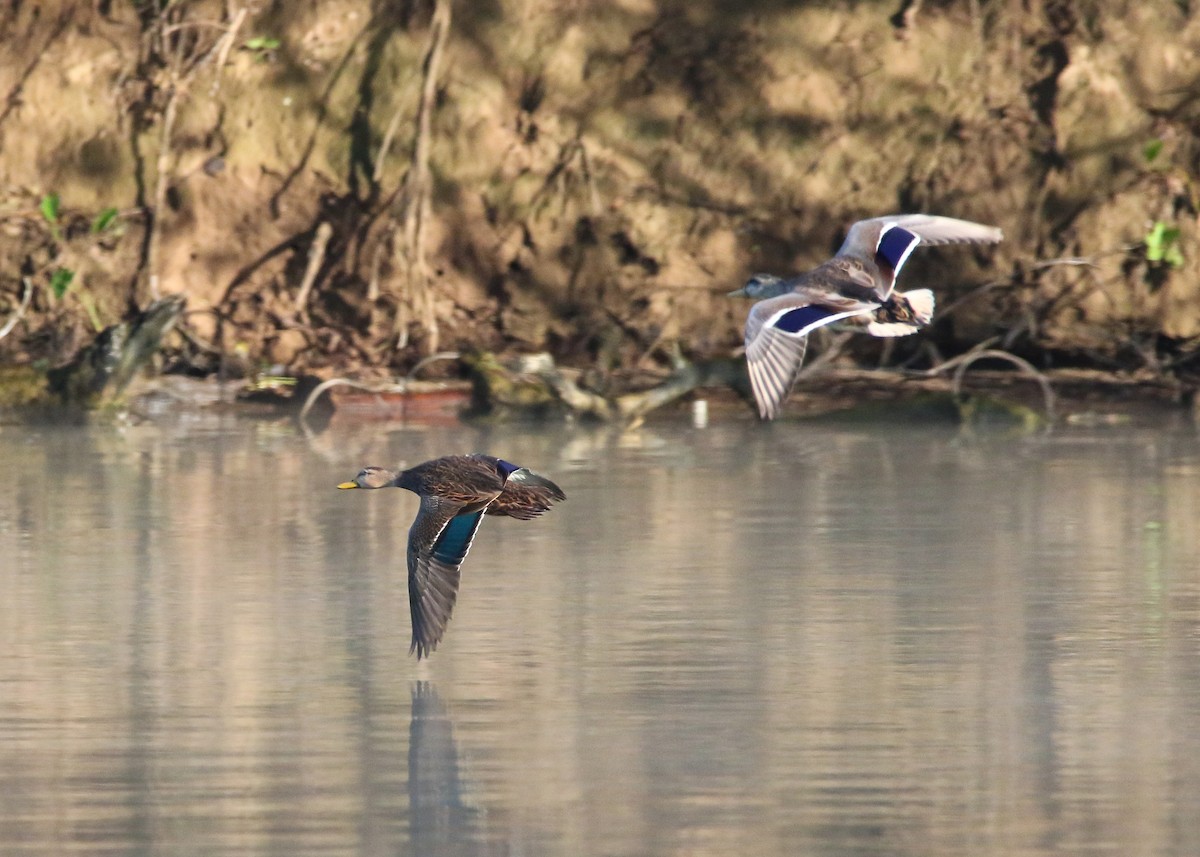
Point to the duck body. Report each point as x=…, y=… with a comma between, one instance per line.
x=456, y=491
x=855, y=290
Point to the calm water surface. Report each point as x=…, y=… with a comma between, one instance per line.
x=783, y=640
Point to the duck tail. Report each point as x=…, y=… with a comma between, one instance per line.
x=920, y=301
x=904, y=313
x=525, y=496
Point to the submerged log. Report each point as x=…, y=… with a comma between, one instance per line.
x=535, y=386
x=100, y=373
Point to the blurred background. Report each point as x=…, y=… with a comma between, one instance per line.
x=352, y=184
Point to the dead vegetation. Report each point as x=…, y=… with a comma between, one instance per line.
x=346, y=187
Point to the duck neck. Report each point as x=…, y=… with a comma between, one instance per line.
x=406, y=479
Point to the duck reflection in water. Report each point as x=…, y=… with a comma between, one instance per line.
x=439, y=821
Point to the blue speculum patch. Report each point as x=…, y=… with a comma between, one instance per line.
x=794, y=321
x=451, y=546
x=894, y=247
x=507, y=467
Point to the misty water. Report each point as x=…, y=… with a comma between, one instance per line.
x=741, y=639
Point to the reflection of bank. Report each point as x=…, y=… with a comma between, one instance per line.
x=439, y=821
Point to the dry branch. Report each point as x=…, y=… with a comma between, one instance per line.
x=415, y=200
x=227, y=42
x=181, y=70
x=20, y=310
x=963, y=362
x=316, y=256
x=162, y=185
x=513, y=388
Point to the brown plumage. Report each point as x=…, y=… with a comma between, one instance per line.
x=456, y=491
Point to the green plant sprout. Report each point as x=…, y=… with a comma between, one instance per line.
x=262, y=46
x=1162, y=245
x=51, y=208
x=1152, y=150
x=60, y=281
x=104, y=220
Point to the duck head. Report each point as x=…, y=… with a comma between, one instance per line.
x=372, y=477
x=759, y=285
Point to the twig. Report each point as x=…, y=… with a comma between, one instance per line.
x=20, y=310
x=585, y=163
x=160, y=189
x=385, y=145
x=226, y=46
x=415, y=202
x=427, y=360
x=316, y=256
x=947, y=365
x=399, y=387
x=1087, y=261
x=971, y=295
x=345, y=382
x=1048, y=396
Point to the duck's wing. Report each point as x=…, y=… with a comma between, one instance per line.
x=438, y=542
x=878, y=247
x=935, y=229
x=525, y=496
x=777, y=336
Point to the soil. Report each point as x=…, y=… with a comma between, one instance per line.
x=590, y=178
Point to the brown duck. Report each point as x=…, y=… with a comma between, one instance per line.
x=456, y=491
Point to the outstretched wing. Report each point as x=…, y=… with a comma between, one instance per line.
x=776, y=338
x=885, y=243
x=438, y=542
x=934, y=229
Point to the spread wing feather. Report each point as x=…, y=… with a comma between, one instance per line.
x=438, y=542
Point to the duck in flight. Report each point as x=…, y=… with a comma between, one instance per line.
x=853, y=290
x=456, y=491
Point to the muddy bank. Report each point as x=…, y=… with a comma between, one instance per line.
x=346, y=187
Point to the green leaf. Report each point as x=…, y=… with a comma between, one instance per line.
x=104, y=219
x=50, y=207
x=262, y=43
x=1152, y=150
x=1162, y=244
x=1154, y=242
x=60, y=281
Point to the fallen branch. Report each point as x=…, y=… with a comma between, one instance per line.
x=320, y=389
x=1048, y=397
x=539, y=382
x=400, y=386
x=633, y=406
